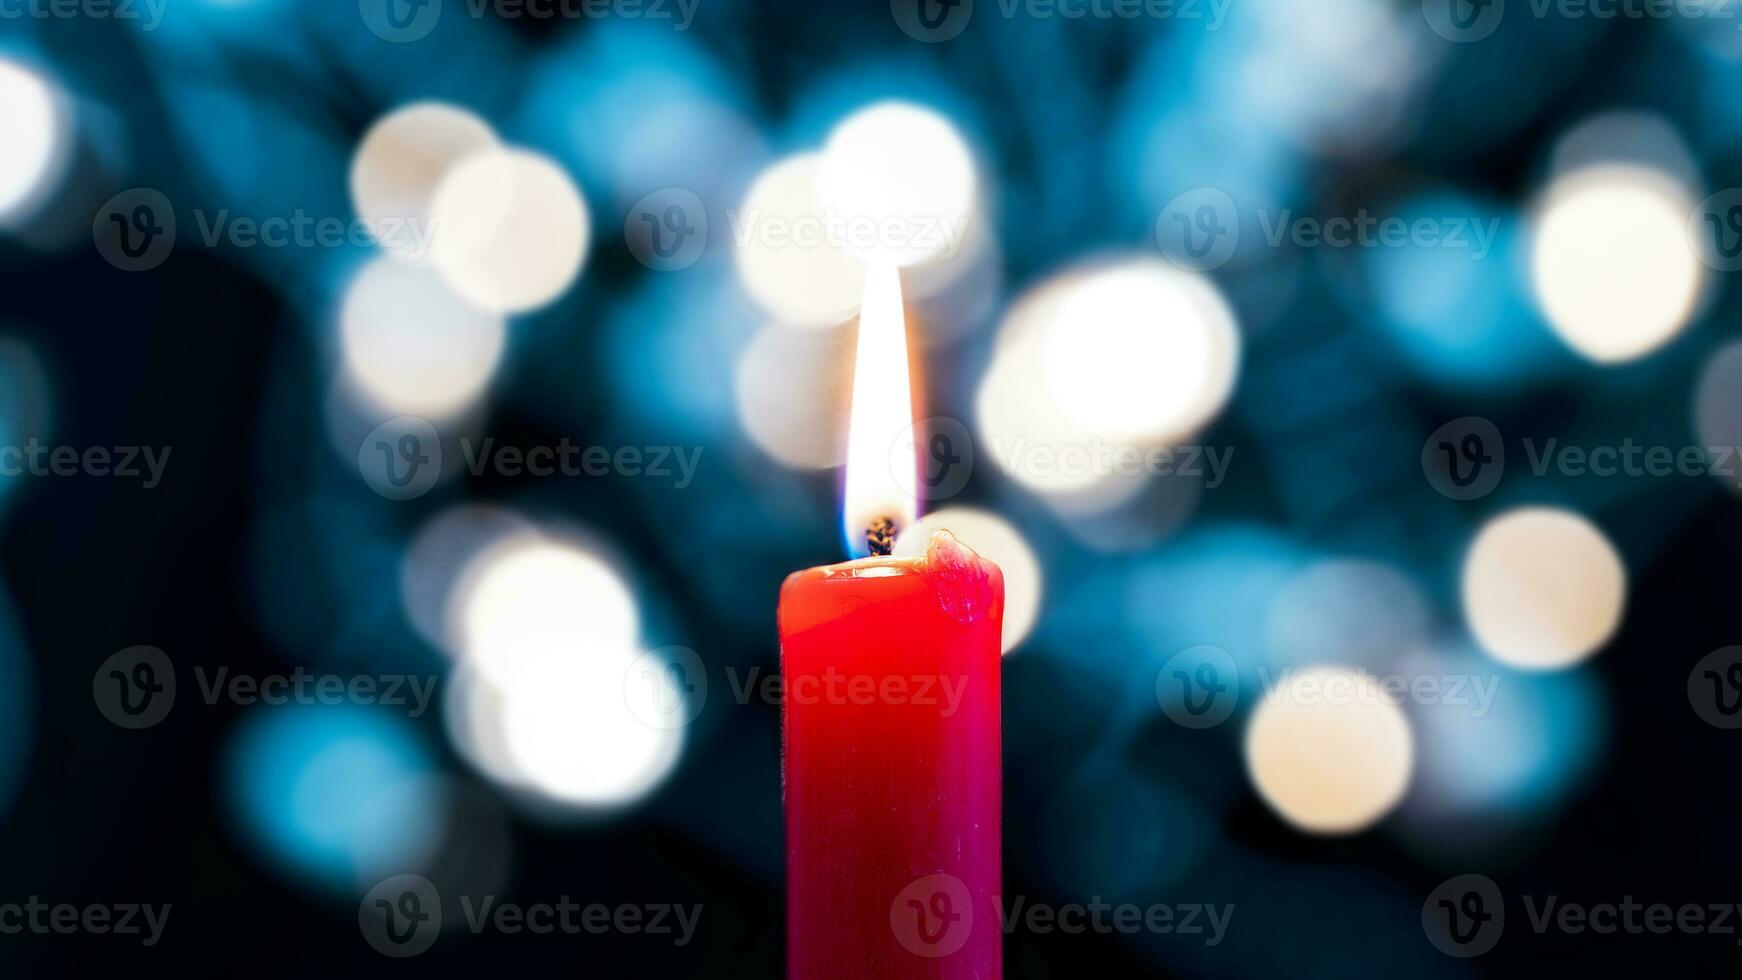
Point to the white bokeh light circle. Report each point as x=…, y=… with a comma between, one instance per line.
x=1610, y=263
x=441, y=552
x=1142, y=352
x=475, y=717
x=530, y=595
x=783, y=368
x=572, y=734
x=510, y=230
x=1015, y=415
x=1543, y=588
x=399, y=164
x=33, y=139
x=411, y=346
x=787, y=257
x=1101, y=364
x=1718, y=408
x=998, y=541
x=905, y=171
x=1329, y=750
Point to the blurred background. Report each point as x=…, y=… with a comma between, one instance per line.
x=399, y=398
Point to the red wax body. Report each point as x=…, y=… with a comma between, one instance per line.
x=892, y=767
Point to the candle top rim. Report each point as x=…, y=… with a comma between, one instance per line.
x=942, y=547
x=874, y=566
x=949, y=576
x=943, y=551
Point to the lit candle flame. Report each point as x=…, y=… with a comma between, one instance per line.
x=882, y=466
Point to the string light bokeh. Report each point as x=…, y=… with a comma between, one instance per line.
x=593, y=293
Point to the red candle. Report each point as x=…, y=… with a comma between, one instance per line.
x=891, y=722
x=892, y=766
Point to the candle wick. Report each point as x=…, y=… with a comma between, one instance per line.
x=881, y=536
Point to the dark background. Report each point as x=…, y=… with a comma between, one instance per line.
x=263, y=550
